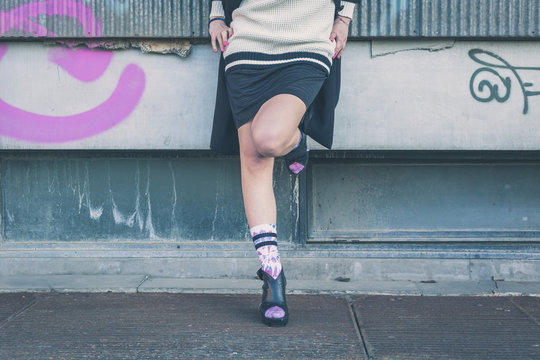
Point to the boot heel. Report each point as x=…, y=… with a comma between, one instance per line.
x=298, y=158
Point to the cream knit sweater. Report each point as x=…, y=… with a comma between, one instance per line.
x=268, y=32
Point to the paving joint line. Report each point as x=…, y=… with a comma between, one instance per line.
x=17, y=313
x=357, y=328
x=525, y=312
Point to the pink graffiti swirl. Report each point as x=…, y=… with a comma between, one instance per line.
x=23, y=125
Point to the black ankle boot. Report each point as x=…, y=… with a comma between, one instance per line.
x=273, y=295
x=298, y=158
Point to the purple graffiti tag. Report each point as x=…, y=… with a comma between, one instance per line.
x=24, y=125
x=82, y=64
x=25, y=17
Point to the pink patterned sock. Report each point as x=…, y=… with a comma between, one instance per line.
x=265, y=241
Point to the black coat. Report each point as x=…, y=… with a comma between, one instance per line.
x=318, y=121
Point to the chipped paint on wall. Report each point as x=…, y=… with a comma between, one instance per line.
x=181, y=48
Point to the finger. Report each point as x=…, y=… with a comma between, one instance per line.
x=224, y=34
x=342, y=50
x=213, y=41
x=333, y=36
x=220, y=41
x=230, y=30
x=339, y=47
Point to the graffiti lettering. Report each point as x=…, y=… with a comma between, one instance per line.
x=487, y=89
x=25, y=17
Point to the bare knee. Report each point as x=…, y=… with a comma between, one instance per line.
x=275, y=125
x=269, y=143
x=270, y=148
x=255, y=163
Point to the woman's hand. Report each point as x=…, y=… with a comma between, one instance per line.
x=339, y=34
x=219, y=33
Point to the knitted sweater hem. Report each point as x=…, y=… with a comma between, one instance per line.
x=255, y=59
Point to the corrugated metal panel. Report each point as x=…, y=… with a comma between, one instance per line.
x=447, y=18
x=103, y=18
x=188, y=18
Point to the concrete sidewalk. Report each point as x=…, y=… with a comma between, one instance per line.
x=144, y=283
x=165, y=325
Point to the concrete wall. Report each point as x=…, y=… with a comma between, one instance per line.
x=435, y=173
x=427, y=95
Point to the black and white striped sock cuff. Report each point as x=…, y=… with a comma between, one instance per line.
x=264, y=239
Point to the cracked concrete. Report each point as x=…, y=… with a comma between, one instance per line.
x=392, y=47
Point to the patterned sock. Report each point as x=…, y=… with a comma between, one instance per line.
x=265, y=241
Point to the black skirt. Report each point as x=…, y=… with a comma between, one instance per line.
x=249, y=87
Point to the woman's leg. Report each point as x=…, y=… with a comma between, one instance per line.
x=272, y=132
x=275, y=127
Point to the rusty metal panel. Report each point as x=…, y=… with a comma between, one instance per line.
x=188, y=18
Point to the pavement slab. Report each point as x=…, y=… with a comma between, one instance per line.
x=453, y=327
x=175, y=326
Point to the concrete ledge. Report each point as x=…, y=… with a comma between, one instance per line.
x=293, y=286
x=518, y=288
x=300, y=265
x=449, y=288
x=144, y=283
x=72, y=283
